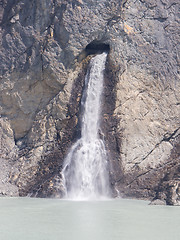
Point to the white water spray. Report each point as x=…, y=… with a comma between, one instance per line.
x=85, y=173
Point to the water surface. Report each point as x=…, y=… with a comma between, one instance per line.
x=54, y=219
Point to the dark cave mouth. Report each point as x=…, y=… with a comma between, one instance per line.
x=97, y=47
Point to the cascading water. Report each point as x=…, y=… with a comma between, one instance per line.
x=85, y=173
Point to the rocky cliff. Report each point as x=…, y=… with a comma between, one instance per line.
x=45, y=47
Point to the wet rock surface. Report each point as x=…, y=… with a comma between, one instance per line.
x=43, y=63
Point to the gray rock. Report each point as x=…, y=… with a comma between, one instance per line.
x=43, y=63
x=158, y=202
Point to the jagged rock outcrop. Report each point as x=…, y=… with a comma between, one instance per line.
x=43, y=63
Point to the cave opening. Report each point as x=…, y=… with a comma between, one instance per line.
x=94, y=47
x=97, y=47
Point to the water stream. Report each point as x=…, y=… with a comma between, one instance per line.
x=85, y=169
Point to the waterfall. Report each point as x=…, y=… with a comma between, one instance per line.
x=85, y=174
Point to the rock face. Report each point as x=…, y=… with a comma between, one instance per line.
x=43, y=62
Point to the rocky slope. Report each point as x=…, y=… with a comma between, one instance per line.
x=43, y=62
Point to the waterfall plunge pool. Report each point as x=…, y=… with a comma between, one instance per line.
x=117, y=219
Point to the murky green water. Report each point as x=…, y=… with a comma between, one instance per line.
x=53, y=219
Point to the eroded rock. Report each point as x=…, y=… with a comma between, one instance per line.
x=43, y=51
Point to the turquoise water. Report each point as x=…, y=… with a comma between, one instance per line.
x=54, y=219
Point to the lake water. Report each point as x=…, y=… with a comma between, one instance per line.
x=54, y=219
